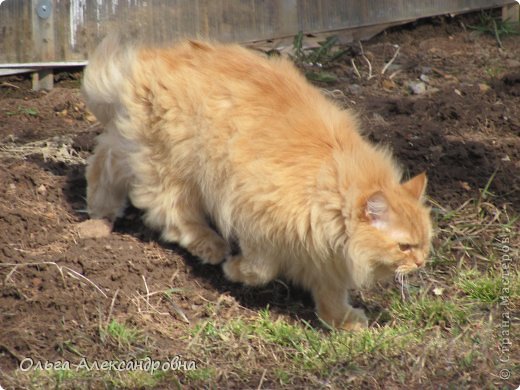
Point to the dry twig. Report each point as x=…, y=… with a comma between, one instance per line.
x=72, y=273
x=391, y=61
x=356, y=71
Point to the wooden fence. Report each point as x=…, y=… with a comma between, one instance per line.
x=40, y=33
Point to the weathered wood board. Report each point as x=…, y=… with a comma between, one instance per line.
x=35, y=31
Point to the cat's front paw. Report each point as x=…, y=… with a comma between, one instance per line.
x=346, y=318
x=356, y=320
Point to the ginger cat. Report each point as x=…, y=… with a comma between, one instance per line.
x=208, y=132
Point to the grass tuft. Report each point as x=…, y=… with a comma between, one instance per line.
x=485, y=288
x=315, y=58
x=24, y=111
x=428, y=312
x=122, y=335
x=496, y=27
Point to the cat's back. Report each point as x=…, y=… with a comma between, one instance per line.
x=217, y=70
x=207, y=60
x=226, y=92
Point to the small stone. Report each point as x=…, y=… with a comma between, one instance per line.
x=378, y=119
x=354, y=89
x=438, y=291
x=42, y=190
x=94, y=228
x=426, y=70
x=465, y=185
x=425, y=78
x=60, y=107
x=511, y=63
x=388, y=84
x=417, y=88
x=394, y=68
x=436, y=149
x=90, y=117
x=483, y=87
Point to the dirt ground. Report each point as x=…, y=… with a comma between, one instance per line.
x=58, y=286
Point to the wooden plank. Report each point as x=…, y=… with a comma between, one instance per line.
x=511, y=13
x=15, y=31
x=11, y=71
x=79, y=25
x=43, y=64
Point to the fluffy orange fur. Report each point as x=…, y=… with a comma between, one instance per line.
x=205, y=132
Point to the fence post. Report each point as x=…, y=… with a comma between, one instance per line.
x=42, y=12
x=511, y=13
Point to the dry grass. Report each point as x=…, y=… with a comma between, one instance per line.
x=55, y=149
x=63, y=271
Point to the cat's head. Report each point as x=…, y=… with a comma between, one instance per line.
x=393, y=232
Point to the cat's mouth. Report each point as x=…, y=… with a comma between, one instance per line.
x=401, y=274
x=405, y=269
x=382, y=272
x=401, y=277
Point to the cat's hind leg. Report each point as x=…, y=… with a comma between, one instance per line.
x=173, y=206
x=253, y=266
x=108, y=176
x=200, y=239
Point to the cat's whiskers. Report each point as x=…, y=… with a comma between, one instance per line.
x=401, y=277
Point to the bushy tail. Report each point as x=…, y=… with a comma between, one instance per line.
x=108, y=71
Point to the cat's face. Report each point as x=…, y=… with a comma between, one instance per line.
x=394, y=232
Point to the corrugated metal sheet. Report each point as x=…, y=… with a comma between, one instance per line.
x=74, y=27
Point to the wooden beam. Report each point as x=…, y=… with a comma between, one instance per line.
x=511, y=13
x=47, y=64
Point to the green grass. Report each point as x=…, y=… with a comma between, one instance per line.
x=73, y=379
x=123, y=335
x=495, y=26
x=305, y=354
x=26, y=111
x=201, y=375
x=300, y=348
x=325, y=53
x=136, y=379
x=429, y=311
x=485, y=288
x=313, y=59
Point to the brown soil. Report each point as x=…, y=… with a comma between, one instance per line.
x=462, y=131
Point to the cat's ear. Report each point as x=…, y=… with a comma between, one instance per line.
x=376, y=209
x=416, y=185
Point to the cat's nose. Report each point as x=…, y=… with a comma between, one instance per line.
x=419, y=261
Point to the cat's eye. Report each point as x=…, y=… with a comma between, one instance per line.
x=405, y=247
